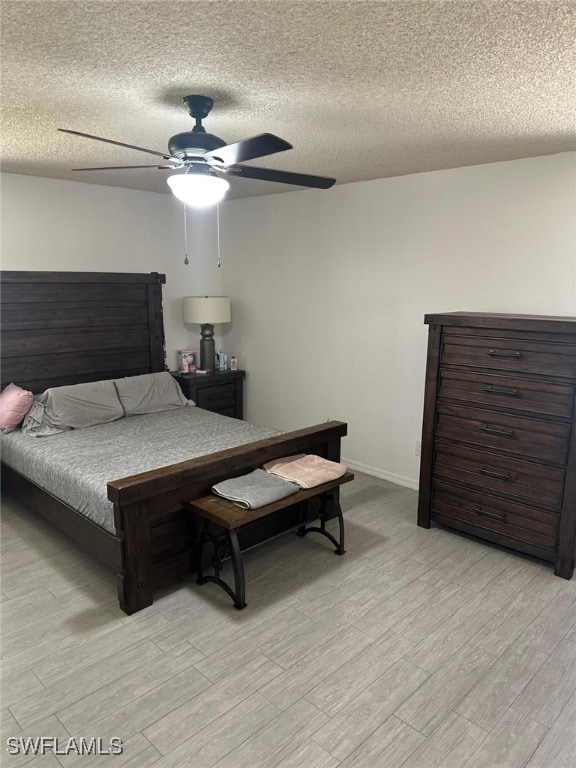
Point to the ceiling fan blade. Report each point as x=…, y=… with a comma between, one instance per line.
x=257, y=146
x=284, y=177
x=123, y=167
x=117, y=143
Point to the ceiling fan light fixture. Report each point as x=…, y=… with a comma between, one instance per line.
x=198, y=190
x=203, y=153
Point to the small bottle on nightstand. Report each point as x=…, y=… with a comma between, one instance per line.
x=233, y=363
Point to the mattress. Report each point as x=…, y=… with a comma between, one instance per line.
x=76, y=466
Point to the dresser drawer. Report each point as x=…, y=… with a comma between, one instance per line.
x=516, y=522
x=220, y=391
x=514, y=355
x=517, y=394
x=535, y=438
x=216, y=398
x=229, y=410
x=499, y=474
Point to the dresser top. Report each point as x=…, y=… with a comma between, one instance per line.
x=214, y=375
x=546, y=323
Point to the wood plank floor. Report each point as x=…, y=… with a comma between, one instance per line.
x=420, y=649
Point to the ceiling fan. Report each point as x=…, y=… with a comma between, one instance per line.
x=205, y=156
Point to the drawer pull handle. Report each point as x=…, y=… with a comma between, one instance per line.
x=491, y=515
x=500, y=391
x=499, y=432
x=497, y=475
x=503, y=353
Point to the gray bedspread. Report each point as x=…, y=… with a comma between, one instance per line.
x=75, y=466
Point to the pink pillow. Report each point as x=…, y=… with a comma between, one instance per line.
x=15, y=403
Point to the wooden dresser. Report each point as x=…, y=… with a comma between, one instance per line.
x=498, y=440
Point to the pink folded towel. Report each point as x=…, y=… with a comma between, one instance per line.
x=306, y=470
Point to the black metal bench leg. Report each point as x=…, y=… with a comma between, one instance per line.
x=323, y=510
x=238, y=566
x=229, y=540
x=340, y=548
x=200, y=550
x=339, y=545
x=302, y=507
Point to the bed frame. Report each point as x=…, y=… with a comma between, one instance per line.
x=69, y=327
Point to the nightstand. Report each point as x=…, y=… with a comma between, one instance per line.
x=220, y=391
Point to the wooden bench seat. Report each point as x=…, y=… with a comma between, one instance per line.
x=228, y=518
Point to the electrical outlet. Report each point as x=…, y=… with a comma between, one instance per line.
x=418, y=448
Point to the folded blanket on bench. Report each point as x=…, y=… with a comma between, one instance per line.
x=306, y=470
x=254, y=490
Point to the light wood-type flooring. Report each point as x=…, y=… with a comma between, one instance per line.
x=418, y=648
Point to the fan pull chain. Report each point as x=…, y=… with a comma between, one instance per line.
x=186, y=260
x=218, y=231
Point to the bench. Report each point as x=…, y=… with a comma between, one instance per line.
x=228, y=518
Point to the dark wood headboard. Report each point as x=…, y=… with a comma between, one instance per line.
x=69, y=327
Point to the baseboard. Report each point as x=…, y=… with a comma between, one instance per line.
x=406, y=482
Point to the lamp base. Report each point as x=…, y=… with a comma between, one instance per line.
x=207, y=348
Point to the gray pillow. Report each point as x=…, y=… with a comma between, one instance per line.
x=150, y=393
x=59, y=409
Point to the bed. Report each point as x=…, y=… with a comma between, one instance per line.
x=63, y=328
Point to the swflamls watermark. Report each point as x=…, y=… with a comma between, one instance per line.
x=42, y=745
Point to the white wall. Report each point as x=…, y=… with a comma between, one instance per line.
x=49, y=224
x=330, y=288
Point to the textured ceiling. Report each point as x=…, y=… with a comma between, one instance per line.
x=362, y=89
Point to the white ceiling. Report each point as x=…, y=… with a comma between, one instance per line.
x=362, y=89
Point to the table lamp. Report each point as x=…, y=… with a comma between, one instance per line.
x=206, y=311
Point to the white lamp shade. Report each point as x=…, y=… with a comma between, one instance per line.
x=206, y=309
x=198, y=190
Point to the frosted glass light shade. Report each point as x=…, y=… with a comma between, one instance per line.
x=198, y=190
x=206, y=309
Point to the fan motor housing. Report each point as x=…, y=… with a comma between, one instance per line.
x=193, y=143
